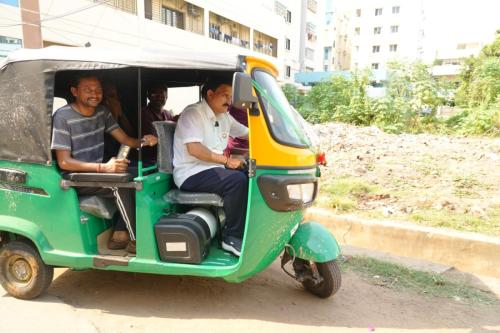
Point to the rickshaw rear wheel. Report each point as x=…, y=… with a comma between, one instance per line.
x=23, y=274
x=322, y=279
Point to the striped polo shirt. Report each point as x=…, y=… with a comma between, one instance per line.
x=82, y=135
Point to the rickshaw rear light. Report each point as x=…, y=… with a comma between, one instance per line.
x=303, y=192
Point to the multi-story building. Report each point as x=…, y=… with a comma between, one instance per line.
x=383, y=30
x=372, y=33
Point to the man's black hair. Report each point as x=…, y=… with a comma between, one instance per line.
x=75, y=80
x=213, y=83
x=155, y=85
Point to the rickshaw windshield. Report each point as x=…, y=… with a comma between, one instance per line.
x=282, y=120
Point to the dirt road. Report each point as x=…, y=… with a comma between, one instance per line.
x=96, y=301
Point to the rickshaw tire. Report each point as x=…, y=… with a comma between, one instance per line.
x=332, y=280
x=26, y=258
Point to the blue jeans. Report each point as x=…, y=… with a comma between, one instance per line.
x=232, y=186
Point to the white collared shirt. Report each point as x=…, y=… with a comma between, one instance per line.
x=198, y=123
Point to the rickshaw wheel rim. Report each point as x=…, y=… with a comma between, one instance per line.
x=19, y=270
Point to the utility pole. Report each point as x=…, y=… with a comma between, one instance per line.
x=32, y=30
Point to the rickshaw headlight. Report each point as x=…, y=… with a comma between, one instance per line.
x=303, y=192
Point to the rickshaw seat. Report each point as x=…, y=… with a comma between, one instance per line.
x=194, y=198
x=165, y=131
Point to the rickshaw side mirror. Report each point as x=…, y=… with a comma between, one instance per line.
x=243, y=97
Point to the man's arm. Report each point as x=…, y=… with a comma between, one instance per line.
x=124, y=139
x=68, y=163
x=201, y=152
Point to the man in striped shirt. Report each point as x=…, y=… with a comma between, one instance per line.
x=78, y=142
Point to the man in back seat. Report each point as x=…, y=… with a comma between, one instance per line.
x=78, y=142
x=200, y=138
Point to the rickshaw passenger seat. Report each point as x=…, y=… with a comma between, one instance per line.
x=165, y=131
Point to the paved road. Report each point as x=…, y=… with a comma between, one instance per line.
x=96, y=301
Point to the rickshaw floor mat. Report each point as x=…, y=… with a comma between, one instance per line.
x=102, y=246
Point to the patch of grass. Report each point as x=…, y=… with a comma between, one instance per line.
x=348, y=186
x=398, y=277
x=468, y=186
x=442, y=218
x=342, y=193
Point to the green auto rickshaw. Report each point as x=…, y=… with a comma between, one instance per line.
x=44, y=224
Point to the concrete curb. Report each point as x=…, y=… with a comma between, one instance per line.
x=468, y=252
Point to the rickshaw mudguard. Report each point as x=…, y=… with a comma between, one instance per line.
x=313, y=241
x=25, y=228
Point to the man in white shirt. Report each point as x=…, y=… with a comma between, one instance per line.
x=200, y=138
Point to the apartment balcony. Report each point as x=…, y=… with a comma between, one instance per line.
x=179, y=14
x=265, y=44
x=228, y=31
x=128, y=6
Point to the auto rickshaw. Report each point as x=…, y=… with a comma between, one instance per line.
x=44, y=224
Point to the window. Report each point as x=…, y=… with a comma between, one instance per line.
x=172, y=17
x=282, y=120
x=393, y=47
x=375, y=65
x=377, y=30
x=394, y=28
x=357, y=30
x=378, y=11
x=325, y=68
x=395, y=9
x=288, y=17
x=327, y=53
x=309, y=69
x=287, y=44
x=376, y=48
x=356, y=48
x=288, y=71
x=333, y=44
x=309, y=53
x=358, y=12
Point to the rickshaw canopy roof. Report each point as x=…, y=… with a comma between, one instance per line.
x=126, y=57
x=27, y=84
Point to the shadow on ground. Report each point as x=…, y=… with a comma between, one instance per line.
x=269, y=297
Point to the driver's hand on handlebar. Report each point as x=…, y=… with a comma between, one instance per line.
x=115, y=165
x=234, y=163
x=149, y=140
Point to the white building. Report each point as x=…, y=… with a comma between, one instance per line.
x=379, y=31
x=382, y=30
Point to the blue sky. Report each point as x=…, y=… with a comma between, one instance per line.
x=10, y=2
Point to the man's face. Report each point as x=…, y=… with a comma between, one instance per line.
x=88, y=92
x=220, y=99
x=158, y=98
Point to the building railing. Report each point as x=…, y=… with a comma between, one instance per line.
x=129, y=6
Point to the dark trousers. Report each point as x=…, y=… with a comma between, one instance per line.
x=125, y=200
x=232, y=186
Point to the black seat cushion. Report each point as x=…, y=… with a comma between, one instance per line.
x=98, y=177
x=194, y=198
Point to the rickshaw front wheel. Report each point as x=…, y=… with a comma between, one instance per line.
x=321, y=279
x=23, y=274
